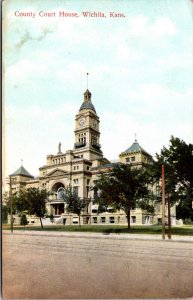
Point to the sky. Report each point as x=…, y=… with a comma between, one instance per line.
x=140, y=75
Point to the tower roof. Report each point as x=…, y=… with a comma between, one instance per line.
x=22, y=172
x=87, y=104
x=134, y=148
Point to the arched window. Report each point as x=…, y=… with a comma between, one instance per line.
x=60, y=193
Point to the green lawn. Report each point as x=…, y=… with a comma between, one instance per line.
x=107, y=229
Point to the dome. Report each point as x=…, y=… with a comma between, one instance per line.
x=22, y=172
x=135, y=148
x=87, y=105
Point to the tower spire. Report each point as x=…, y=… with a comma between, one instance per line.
x=87, y=80
x=21, y=161
x=135, y=137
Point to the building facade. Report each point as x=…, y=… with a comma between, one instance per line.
x=80, y=168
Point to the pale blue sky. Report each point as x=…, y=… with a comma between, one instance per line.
x=140, y=75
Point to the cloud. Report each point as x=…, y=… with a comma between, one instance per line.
x=141, y=26
x=118, y=133
x=20, y=31
x=128, y=53
x=128, y=61
x=163, y=26
x=35, y=131
x=22, y=70
x=26, y=37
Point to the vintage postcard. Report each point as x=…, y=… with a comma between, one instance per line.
x=89, y=85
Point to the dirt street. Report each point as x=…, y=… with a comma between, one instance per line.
x=69, y=267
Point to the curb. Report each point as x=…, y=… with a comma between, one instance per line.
x=125, y=236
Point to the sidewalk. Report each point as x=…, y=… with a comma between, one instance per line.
x=126, y=236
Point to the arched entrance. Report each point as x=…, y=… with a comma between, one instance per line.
x=57, y=203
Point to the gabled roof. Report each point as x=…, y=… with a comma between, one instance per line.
x=57, y=172
x=22, y=172
x=135, y=148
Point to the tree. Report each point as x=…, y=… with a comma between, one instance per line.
x=124, y=187
x=74, y=203
x=36, y=200
x=23, y=220
x=15, y=203
x=4, y=214
x=178, y=162
x=18, y=200
x=30, y=201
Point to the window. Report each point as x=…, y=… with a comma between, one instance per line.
x=60, y=193
x=110, y=209
x=75, y=190
x=111, y=219
x=94, y=211
x=95, y=192
x=133, y=219
x=75, y=181
x=87, y=191
x=88, y=180
x=127, y=159
x=88, y=168
x=94, y=220
x=133, y=158
x=75, y=220
x=103, y=219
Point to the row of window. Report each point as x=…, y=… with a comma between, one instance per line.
x=130, y=159
x=76, y=181
x=14, y=179
x=110, y=219
x=103, y=220
x=76, y=168
x=59, y=160
x=82, y=140
x=81, y=134
x=110, y=210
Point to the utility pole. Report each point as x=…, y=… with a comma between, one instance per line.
x=169, y=218
x=163, y=202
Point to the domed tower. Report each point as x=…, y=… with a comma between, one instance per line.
x=87, y=135
x=135, y=155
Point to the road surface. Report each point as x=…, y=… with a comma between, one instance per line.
x=56, y=266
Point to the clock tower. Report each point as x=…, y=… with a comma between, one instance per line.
x=87, y=135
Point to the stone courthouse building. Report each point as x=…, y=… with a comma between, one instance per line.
x=79, y=168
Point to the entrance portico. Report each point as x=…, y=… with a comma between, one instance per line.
x=57, y=205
